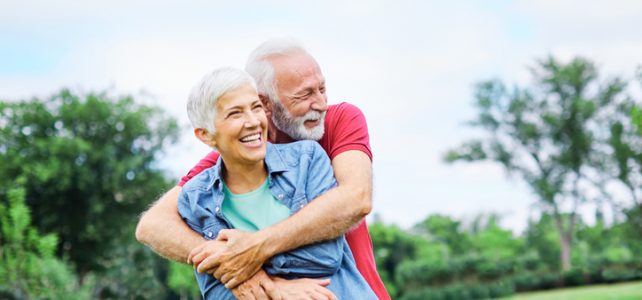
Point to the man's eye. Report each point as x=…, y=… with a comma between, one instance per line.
x=233, y=114
x=258, y=106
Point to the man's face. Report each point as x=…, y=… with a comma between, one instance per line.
x=300, y=108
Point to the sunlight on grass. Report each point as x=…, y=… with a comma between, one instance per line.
x=622, y=291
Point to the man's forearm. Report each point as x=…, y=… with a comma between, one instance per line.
x=164, y=231
x=330, y=214
x=326, y=218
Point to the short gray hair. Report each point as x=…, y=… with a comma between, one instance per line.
x=259, y=66
x=201, y=104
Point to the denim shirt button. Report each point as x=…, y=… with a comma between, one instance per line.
x=209, y=234
x=280, y=196
x=217, y=209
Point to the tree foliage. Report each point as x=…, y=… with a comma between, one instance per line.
x=88, y=161
x=28, y=267
x=547, y=134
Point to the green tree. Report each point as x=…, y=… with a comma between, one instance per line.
x=392, y=246
x=89, y=165
x=28, y=267
x=546, y=134
x=495, y=243
x=445, y=230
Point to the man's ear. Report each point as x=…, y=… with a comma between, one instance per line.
x=205, y=137
x=267, y=105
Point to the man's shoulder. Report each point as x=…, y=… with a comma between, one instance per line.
x=342, y=108
x=343, y=115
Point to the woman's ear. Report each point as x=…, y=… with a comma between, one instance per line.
x=205, y=137
x=267, y=105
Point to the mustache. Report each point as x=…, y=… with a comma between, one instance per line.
x=312, y=115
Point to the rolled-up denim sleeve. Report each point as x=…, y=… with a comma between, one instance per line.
x=186, y=212
x=318, y=259
x=314, y=260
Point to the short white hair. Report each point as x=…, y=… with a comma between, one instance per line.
x=259, y=66
x=201, y=104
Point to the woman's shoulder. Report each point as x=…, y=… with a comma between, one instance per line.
x=201, y=181
x=308, y=146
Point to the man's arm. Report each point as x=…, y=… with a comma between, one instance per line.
x=163, y=230
x=327, y=217
x=332, y=213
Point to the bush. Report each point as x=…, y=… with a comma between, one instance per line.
x=575, y=277
x=462, y=292
x=28, y=267
x=528, y=281
x=617, y=275
x=501, y=289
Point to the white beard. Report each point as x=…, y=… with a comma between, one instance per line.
x=295, y=127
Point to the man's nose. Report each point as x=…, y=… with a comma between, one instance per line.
x=320, y=102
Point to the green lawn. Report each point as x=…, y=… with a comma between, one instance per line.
x=629, y=290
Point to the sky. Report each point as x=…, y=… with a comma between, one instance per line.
x=411, y=66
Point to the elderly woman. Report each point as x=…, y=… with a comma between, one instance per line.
x=256, y=184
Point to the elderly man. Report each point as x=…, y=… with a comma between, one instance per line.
x=292, y=88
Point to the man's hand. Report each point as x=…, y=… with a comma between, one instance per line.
x=258, y=287
x=203, y=251
x=304, y=288
x=241, y=256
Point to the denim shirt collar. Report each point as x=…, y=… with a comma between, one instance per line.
x=274, y=163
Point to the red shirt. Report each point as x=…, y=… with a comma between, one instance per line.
x=345, y=129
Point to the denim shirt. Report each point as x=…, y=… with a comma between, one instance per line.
x=297, y=174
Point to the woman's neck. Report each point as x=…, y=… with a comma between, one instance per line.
x=241, y=179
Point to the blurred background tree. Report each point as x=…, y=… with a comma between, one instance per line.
x=89, y=168
x=547, y=134
x=28, y=267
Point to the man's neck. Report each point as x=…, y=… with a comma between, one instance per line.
x=278, y=137
x=241, y=179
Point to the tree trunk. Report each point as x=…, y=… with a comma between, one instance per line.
x=565, y=251
x=565, y=239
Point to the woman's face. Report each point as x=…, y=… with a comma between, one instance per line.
x=241, y=127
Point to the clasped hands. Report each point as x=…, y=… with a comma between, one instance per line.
x=235, y=258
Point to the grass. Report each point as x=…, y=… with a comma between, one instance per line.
x=620, y=291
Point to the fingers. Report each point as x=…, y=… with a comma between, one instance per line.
x=271, y=290
x=208, y=264
x=259, y=293
x=327, y=294
x=322, y=282
x=232, y=282
x=223, y=277
x=194, y=252
x=317, y=295
x=198, y=258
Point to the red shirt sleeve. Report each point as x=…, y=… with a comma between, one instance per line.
x=208, y=161
x=346, y=129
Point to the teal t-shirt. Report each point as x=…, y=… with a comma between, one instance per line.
x=254, y=210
